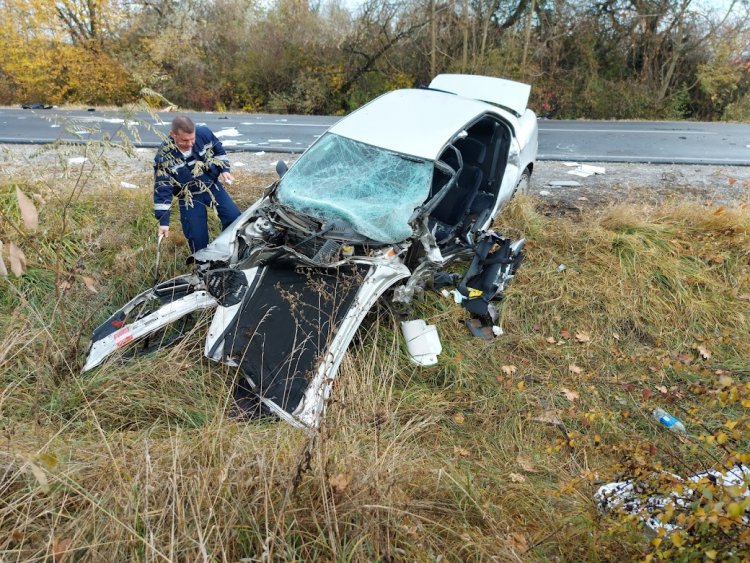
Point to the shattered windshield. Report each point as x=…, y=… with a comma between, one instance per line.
x=374, y=190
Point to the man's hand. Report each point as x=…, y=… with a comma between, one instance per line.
x=227, y=178
x=163, y=231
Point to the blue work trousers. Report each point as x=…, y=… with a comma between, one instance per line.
x=194, y=214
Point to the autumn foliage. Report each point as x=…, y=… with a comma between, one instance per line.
x=667, y=60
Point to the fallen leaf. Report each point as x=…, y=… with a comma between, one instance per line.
x=526, y=464
x=508, y=370
x=574, y=369
x=89, y=283
x=551, y=339
x=685, y=358
x=516, y=542
x=550, y=417
x=458, y=418
x=60, y=549
x=583, y=337
x=17, y=260
x=570, y=394
x=731, y=181
x=517, y=478
x=744, y=297
x=704, y=352
x=39, y=198
x=662, y=389
x=565, y=333
x=340, y=482
x=40, y=476
x=63, y=285
x=646, y=394
x=28, y=211
x=720, y=210
x=461, y=451
x=616, y=336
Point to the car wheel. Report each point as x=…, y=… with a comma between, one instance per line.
x=524, y=184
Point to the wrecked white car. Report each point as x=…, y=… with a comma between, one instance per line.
x=384, y=201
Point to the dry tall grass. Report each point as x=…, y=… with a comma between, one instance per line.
x=492, y=455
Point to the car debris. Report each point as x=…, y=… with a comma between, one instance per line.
x=422, y=342
x=647, y=499
x=385, y=201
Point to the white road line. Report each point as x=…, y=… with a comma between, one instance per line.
x=289, y=124
x=627, y=131
x=636, y=159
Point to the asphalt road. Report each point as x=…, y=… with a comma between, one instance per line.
x=592, y=141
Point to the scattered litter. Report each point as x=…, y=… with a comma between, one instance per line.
x=261, y=153
x=128, y=185
x=668, y=421
x=279, y=140
x=632, y=496
x=232, y=143
x=497, y=331
x=228, y=132
x=77, y=160
x=457, y=297
x=485, y=332
x=238, y=164
x=55, y=125
x=586, y=170
x=568, y=163
x=583, y=198
x=36, y=105
x=91, y=109
x=545, y=193
x=445, y=293
x=562, y=268
x=422, y=341
x=563, y=183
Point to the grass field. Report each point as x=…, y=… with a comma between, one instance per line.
x=494, y=454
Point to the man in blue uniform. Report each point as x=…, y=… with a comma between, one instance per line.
x=192, y=164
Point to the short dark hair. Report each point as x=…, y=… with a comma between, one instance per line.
x=182, y=123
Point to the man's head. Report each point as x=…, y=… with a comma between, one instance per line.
x=183, y=132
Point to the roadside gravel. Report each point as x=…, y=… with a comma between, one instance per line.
x=552, y=181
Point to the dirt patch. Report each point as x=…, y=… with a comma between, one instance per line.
x=552, y=181
x=638, y=183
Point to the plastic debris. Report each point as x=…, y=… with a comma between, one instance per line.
x=669, y=421
x=228, y=132
x=562, y=268
x=633, y=496
x=128, y=185
x=77, y=160
x=497, y=331
x=563, y=183
x=422, y=342
x=586, y=170
x=545, y=193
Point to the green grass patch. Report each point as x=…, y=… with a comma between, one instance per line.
x=493, y=454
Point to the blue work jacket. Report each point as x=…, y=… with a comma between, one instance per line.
x=197, y=172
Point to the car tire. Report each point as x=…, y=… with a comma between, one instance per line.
x=524, y=183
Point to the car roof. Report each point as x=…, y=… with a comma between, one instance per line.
x=507, y=93
x=413, y=122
